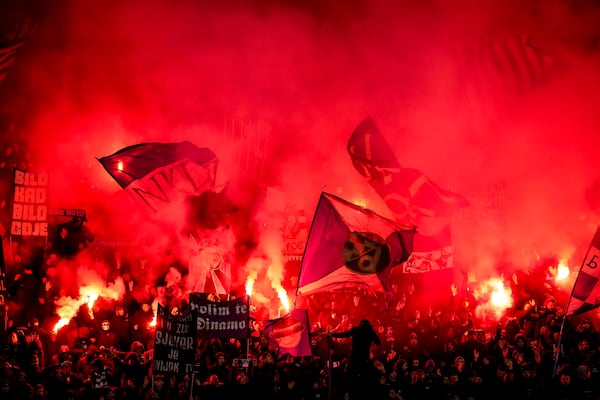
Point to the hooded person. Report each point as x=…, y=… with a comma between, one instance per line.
x=360, y=367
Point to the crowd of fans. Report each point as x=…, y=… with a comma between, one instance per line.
x=434, y=344
x=440, y=349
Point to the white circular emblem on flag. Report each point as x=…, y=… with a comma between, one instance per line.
x=365, y=253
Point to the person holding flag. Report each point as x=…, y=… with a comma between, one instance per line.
x=585, y=295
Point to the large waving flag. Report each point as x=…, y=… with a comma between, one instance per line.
x=159, y=172
x=351, y=247
x=586, y=291
x=410, y=195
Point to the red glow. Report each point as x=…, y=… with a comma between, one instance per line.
x=152, y=324
x=282, y=294
x=494, y=298
x=276, y=101
x=250, y=283
x=562, y=272
x=67, y=307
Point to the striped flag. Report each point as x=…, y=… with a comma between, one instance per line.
x=507, y=65
x=7, y=59
x=586, y=291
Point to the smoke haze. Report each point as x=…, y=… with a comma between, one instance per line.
x=276, y=88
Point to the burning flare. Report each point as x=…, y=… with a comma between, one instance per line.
x=250, y=282
x=67, y=307
x=494, y=298
x=282, y=294
x=562, y=272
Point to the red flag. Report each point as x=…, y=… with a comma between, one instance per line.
x=291, y=334
x=586, y=291
x=410, y=195
x=351, y=247
x=159, y=172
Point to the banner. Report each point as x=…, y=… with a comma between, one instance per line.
x=67, y=212
x=291, y=334
x=222, y=319
x=30, y=204
x=586, y=291
x=174, y=343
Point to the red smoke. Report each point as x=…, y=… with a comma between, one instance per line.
x=276, y=89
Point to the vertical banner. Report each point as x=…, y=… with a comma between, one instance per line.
x=222, y=319
x=174, y=343
x=30, y=204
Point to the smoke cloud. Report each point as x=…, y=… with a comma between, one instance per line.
x=276, y=88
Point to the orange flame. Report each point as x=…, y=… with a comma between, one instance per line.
x=91, y=293
x=66, y=310
x=152, y=324
x=494, y=297
x=61, y=323
x=67, y=307
x=361, y=203
x=501, y=296
x=250, y=282
x=562, y=272
x=282, y=294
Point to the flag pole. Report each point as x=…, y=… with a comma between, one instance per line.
x=330, y=368
x=566, y=313
x=304, y=253
x=192, y=383
x=559, y=344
